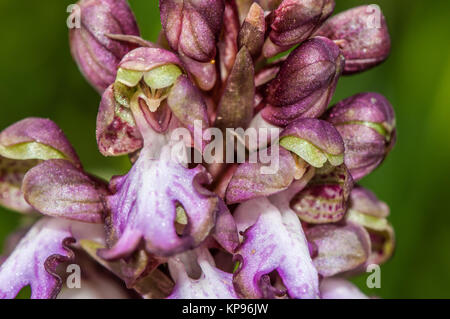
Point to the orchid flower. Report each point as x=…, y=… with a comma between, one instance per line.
x=176, y=228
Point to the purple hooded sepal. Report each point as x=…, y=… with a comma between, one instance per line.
x=325, y=199
x=24, y=145
x=363, y=36
x=203, y=74
x=367, y=203
x=117, y=133
x=338, y=288
x=366, y=123
x=60, y=189
x=36, y=138
x=294, y=21
x=192, y=27
x=340, y=248
x=275, y=243
x=371, y=213
x=96, y=54
x=144, y=207
x=188, y=106
x=306, y=82
x=211, y=283
x=250, y=182
x=33, y=262
x=146, y=58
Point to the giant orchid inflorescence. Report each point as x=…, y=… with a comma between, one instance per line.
x=170, y=228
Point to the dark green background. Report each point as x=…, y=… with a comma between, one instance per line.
x=39, y=78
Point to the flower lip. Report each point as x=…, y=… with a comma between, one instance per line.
x=274, y=242
x=143, y=207
x=212, y=282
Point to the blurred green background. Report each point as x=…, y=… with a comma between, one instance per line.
x=39, y=78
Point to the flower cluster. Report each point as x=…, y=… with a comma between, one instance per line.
x=172, y=229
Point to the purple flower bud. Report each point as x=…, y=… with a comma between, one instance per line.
x=305, y=84
x=363, y=36
x=366, y=123
x=253, y=30
x=58, y=188
x=192, y=27
x=96, y=54
x=296, y=20
x=24, y=145
x=248, y=182
x=339, y=248
x=325, y=198
x=368, y=211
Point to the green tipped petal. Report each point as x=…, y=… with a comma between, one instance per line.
x=311, y=154
x=163, y=76
x=30, y=150
x=335, y=160
x=368, y=221
x=128, y=77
